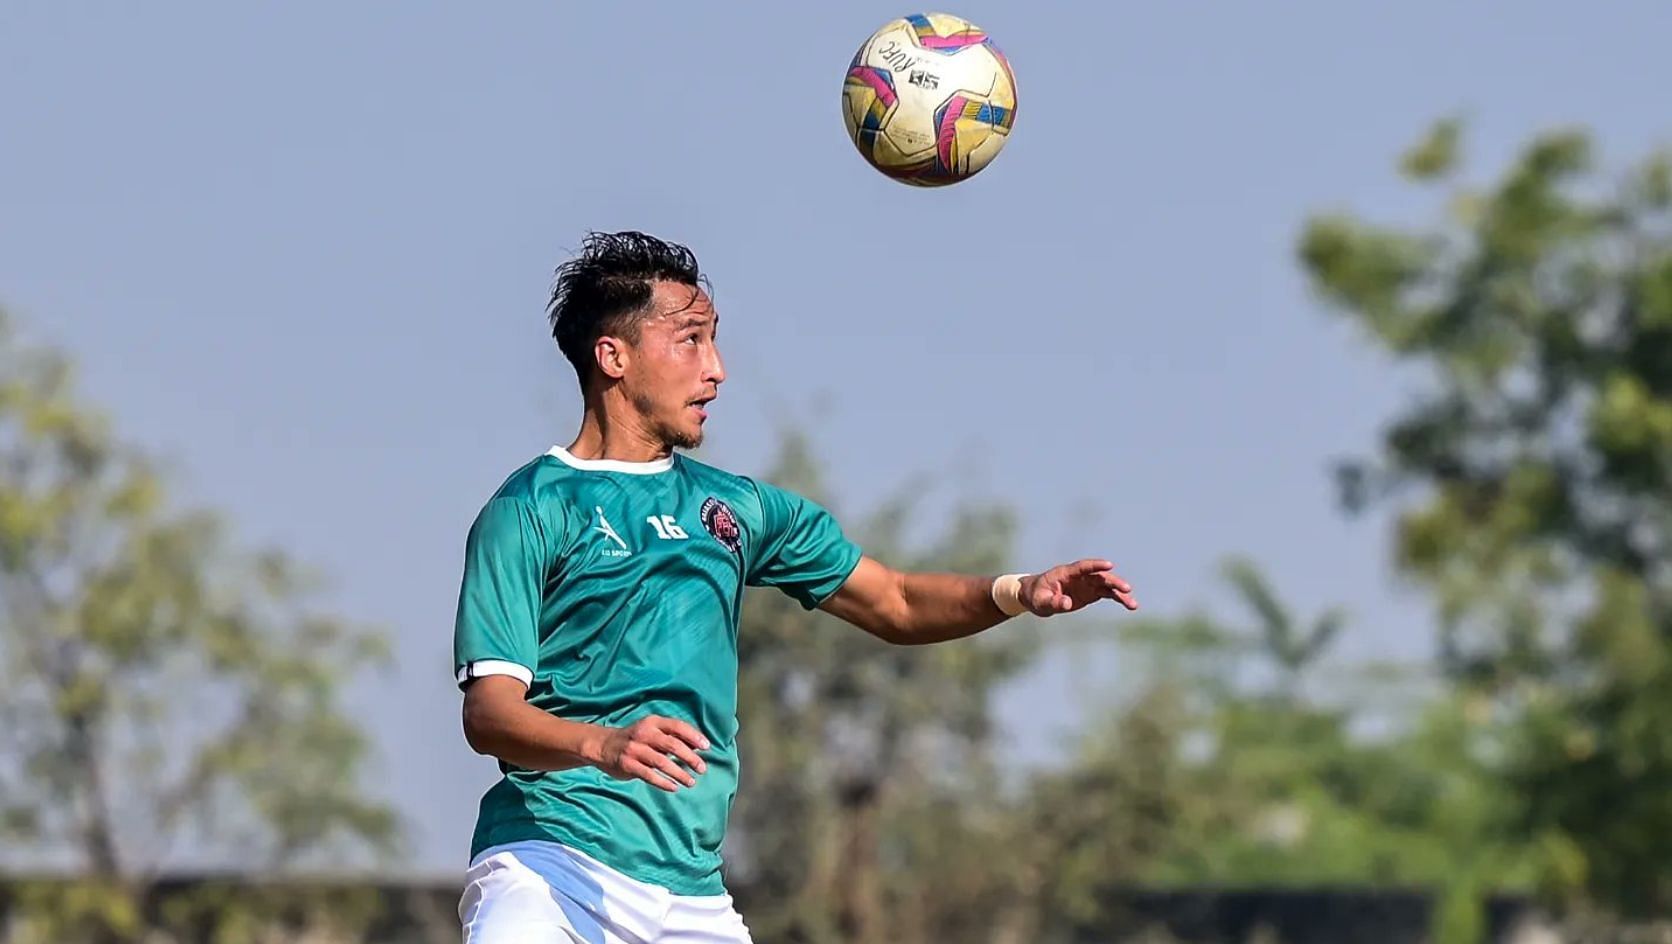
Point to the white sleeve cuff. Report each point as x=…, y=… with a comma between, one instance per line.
x=485, y=667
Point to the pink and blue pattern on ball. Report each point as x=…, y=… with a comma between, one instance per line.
x=880, y=82
x=958, y=108
x=929, y=38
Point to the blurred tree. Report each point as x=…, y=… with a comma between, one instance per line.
x=1104, y=822
x=1291, y=649
x=871, y=790
x=1234, y=767
x=1533, y=479
x=168, y=699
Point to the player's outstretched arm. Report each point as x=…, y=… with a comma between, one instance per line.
x=499, y=722
x=918, y=608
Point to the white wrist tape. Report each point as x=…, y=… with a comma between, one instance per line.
x=1007, y=594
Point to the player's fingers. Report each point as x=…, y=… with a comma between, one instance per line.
x=674, y=772
x=658, y=761
x=1119, y=596
x=641, y=771
x=1089, y=566
x=1110, y=587
x=684, y=732
x=682, y=751
x=1114, y=582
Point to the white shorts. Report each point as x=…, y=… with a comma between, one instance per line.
x=546, y=893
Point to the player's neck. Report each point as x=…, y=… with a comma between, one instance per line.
x=620, y=440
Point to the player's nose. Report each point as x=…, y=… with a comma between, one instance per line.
x=715, y=370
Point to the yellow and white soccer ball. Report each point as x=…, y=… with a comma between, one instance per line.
x=929, y=99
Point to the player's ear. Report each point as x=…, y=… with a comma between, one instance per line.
x=611, y=354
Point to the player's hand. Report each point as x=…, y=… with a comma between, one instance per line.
x=1069, y=587
x=660, y=751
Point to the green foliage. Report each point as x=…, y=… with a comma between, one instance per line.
x=1110, y=818
x=1236, y=766
x=1436, y=155
x=168, y=694
x=1292, y=648
x=1533, y=481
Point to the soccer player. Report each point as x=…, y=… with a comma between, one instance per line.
x=596, y=632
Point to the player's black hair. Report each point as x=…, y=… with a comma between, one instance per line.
x=607, y=286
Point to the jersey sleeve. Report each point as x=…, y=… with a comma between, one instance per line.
x=507, y=556
x=801, y=550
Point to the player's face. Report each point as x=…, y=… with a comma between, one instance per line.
x=675, y=367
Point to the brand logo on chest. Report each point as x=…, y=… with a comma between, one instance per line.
x=607, y=530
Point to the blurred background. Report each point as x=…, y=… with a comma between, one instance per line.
x=1344, y=330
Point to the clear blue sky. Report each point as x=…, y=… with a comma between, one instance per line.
x=302, y=249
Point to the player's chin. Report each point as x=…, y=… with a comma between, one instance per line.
x=686, y=435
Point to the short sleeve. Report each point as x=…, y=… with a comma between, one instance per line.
x=801, y=550
x=507, y=556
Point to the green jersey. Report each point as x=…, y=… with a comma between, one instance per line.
x=612, y=589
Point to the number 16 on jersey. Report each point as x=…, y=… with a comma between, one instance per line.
x=667, y=528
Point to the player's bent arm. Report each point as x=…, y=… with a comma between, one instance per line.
x=912, y=609
x=499, y=722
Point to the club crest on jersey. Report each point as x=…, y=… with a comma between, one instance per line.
x=718, y=520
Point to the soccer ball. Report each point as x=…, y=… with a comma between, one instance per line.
x=929, y=100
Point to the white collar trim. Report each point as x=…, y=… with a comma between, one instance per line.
x=610, y=465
